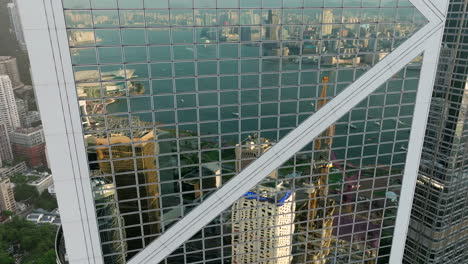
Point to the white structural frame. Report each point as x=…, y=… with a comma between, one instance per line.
x=46, y=38
x=53, y=80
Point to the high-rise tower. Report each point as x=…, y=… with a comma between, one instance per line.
x=16, y=26
x=262, y=220
x=155, y=100
x=29, y=143
x=6, y=154
x=8, y=109
x=7, y=198
x=263, y=227
x=439, y=223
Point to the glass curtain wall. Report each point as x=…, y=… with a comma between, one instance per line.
x=178, y=96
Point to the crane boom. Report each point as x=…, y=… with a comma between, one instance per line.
x=319, y=190
x=331, y=130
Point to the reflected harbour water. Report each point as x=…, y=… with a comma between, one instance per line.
x=177, y=97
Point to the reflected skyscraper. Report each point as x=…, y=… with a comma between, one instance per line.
x=145, y=167
x=439, y=223
x=234, y=131
x=327, y=28
x=262, y=220
x=263, y=226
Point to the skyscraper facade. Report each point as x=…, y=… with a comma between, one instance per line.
x=8, y=109
x=22, y=108
x=16, y=26
x=6, y=154
x=29, y=143
x=439, y=223
x=28, y=118
x=240, y=131
x=7, y=198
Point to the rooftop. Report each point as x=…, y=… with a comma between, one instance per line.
x=41, y=216
x=6, y=58
x=24, y=130
x=264, y=198
x=35, y=177
x=47, y=219
x=33, y=216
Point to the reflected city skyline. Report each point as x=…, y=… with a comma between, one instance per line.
x=176, y=100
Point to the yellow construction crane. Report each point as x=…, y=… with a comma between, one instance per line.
x=331, y=130
x=321, y=209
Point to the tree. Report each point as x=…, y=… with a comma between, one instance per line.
x=43, y=169
x=6, y=214
x=19, y=178
x=47, y=258
x=5, y=258
x=24, y=192
x=46, y=201
x=36, y=242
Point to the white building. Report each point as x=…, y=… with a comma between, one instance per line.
x=43, y=218
x=7, y=172
x=262, y=222
x=16, y=24
x=44, y=181
x=8, y=110
x=6, y=153
x=327, y=28
x=262, y=227
x=7, y=198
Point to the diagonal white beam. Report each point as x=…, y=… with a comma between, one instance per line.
x=287, y=147
x=415, y=144
x=433, y=10
x=43, y=25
